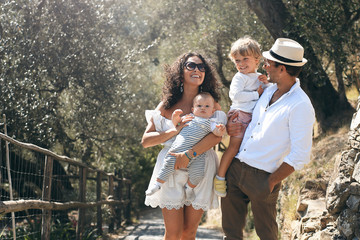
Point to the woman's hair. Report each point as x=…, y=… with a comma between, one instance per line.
x=245, y=46
x=174, y=74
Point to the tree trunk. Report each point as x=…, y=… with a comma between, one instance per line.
x=339, y=69
x=314, y=80
x=220, y=60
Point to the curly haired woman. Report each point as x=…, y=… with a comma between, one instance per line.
x=190, y=74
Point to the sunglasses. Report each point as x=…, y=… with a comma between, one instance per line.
x=191, y=66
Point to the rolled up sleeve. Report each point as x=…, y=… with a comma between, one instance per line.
x=301, y=121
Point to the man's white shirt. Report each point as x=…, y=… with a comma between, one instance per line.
x=281, y=132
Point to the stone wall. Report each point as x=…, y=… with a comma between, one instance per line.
x=343, y=194
x=335, y=214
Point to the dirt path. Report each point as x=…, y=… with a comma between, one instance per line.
x=151, y=227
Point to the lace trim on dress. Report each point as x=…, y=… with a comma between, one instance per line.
x=170, y=206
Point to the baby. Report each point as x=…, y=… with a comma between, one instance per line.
x=200, y=126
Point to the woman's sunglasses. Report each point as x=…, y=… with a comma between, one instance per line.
x=191, y=66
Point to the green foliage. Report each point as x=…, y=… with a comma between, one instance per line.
x=333, y=30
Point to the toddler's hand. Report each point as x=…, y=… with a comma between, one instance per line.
x=220, y=187
x=263, y=78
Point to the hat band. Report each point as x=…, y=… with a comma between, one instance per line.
x=283, y=59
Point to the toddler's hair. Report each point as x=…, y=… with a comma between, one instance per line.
x=245, y=46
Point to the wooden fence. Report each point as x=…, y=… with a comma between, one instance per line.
x=34, y=179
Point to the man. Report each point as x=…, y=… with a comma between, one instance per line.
x=276, y=143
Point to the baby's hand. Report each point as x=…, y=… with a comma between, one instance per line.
x=220, y=130
x=175, y=117
x=263, y=78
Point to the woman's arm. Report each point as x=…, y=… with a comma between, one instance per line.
x=205, y=144
x=152, y=138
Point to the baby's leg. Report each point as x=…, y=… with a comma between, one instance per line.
x=164, y=174
x=167, y=169
x=196, y=174
x=196, y=169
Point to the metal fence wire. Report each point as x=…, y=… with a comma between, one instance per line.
x=47, y=196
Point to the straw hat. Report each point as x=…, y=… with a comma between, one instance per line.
x=286, y=51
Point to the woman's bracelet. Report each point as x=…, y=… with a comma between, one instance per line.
x=193, y=152
x=188, y=156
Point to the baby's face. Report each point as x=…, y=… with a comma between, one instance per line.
x=203, y=107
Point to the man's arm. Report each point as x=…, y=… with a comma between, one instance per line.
x=280, y=174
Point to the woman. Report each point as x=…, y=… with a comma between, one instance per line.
x=188, y=76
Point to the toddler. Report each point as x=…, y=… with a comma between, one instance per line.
x=245, y=89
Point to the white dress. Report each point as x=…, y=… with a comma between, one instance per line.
x=172, y=193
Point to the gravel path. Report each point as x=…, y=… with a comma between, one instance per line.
x=151, y=227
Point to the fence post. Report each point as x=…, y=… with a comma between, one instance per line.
x=82, y=198
x=128, y=205
x=46, y=196
x=98, y=199
x=9, y=178
x=118, y=196
x=111, y=196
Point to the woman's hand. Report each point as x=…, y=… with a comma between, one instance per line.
x=182, y=160
x=233, y=129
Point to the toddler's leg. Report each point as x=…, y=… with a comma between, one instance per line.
x=228, y=156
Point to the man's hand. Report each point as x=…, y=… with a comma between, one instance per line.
x=232, y=128
x=260, y=90
x=182, y=161
x=271, y=186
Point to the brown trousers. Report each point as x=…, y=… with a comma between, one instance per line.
x=247, y=184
